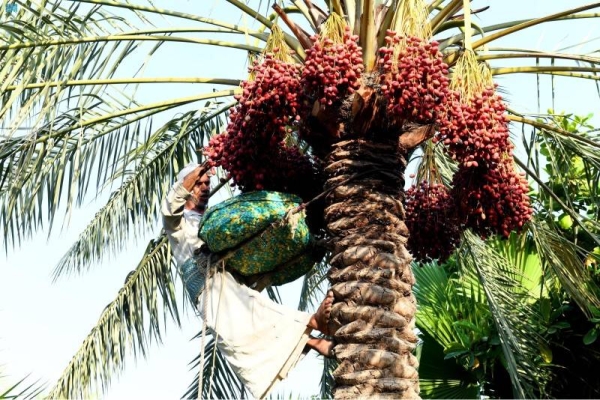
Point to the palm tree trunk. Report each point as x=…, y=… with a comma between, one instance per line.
x=373, y=316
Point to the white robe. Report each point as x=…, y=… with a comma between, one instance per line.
x=261, y=340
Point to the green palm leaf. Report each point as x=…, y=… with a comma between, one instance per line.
x=493, y=294
x=311, y=293
x=512, y=313
x=562, y=189
x=58, y=167
x=441, y=304
x=163, y=153
x=565, y=260
x=327, y=382
x=128, y=324
x=441, y=378
x=520, y=252
x=218, y=379
x=20, y=390
x=79, y=107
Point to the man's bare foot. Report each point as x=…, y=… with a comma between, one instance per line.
x=322, y=346
x=320, y=319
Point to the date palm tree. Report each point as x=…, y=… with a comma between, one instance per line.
x=76, y=121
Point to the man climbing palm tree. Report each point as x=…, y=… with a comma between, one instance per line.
x=262, y=340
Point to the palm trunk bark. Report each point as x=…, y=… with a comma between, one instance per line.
x=373, y=315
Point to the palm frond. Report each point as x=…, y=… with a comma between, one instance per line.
x=511, y=27
x=565, y=190
x=273, y=294
x=565, y=259
x=29, y=59
x=218, y=379
x=556, y=132
x=566, y=71
x=256, y=15
x=444, y=14
x=582, y=220
x=147, y=170
x=58, y=74
x=513, y=315
x=55, y=168
x=520, y=252
x=147, y=11
x=127, y=325
x=528, y=24
x=73, y=103
x=506, y=284
x=327, y=382
x=311, y=293
x=447, y=389
x=499, y=53
x=563, y=148
x=441, y=377
x=20, y=390
x=128, y=81
x=440, y=305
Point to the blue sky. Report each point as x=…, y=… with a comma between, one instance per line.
x=43, y=324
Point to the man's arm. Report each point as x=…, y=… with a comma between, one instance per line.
x=172, y=207
x=174, y=203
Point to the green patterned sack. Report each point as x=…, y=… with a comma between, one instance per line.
x=295, y=270
x=252, y=226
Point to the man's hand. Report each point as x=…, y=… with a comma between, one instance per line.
x=197, y=183
x=193, y=178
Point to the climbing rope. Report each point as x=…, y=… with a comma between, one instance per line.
x=204, y=309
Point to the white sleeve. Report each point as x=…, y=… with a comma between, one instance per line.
x=172, y=216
